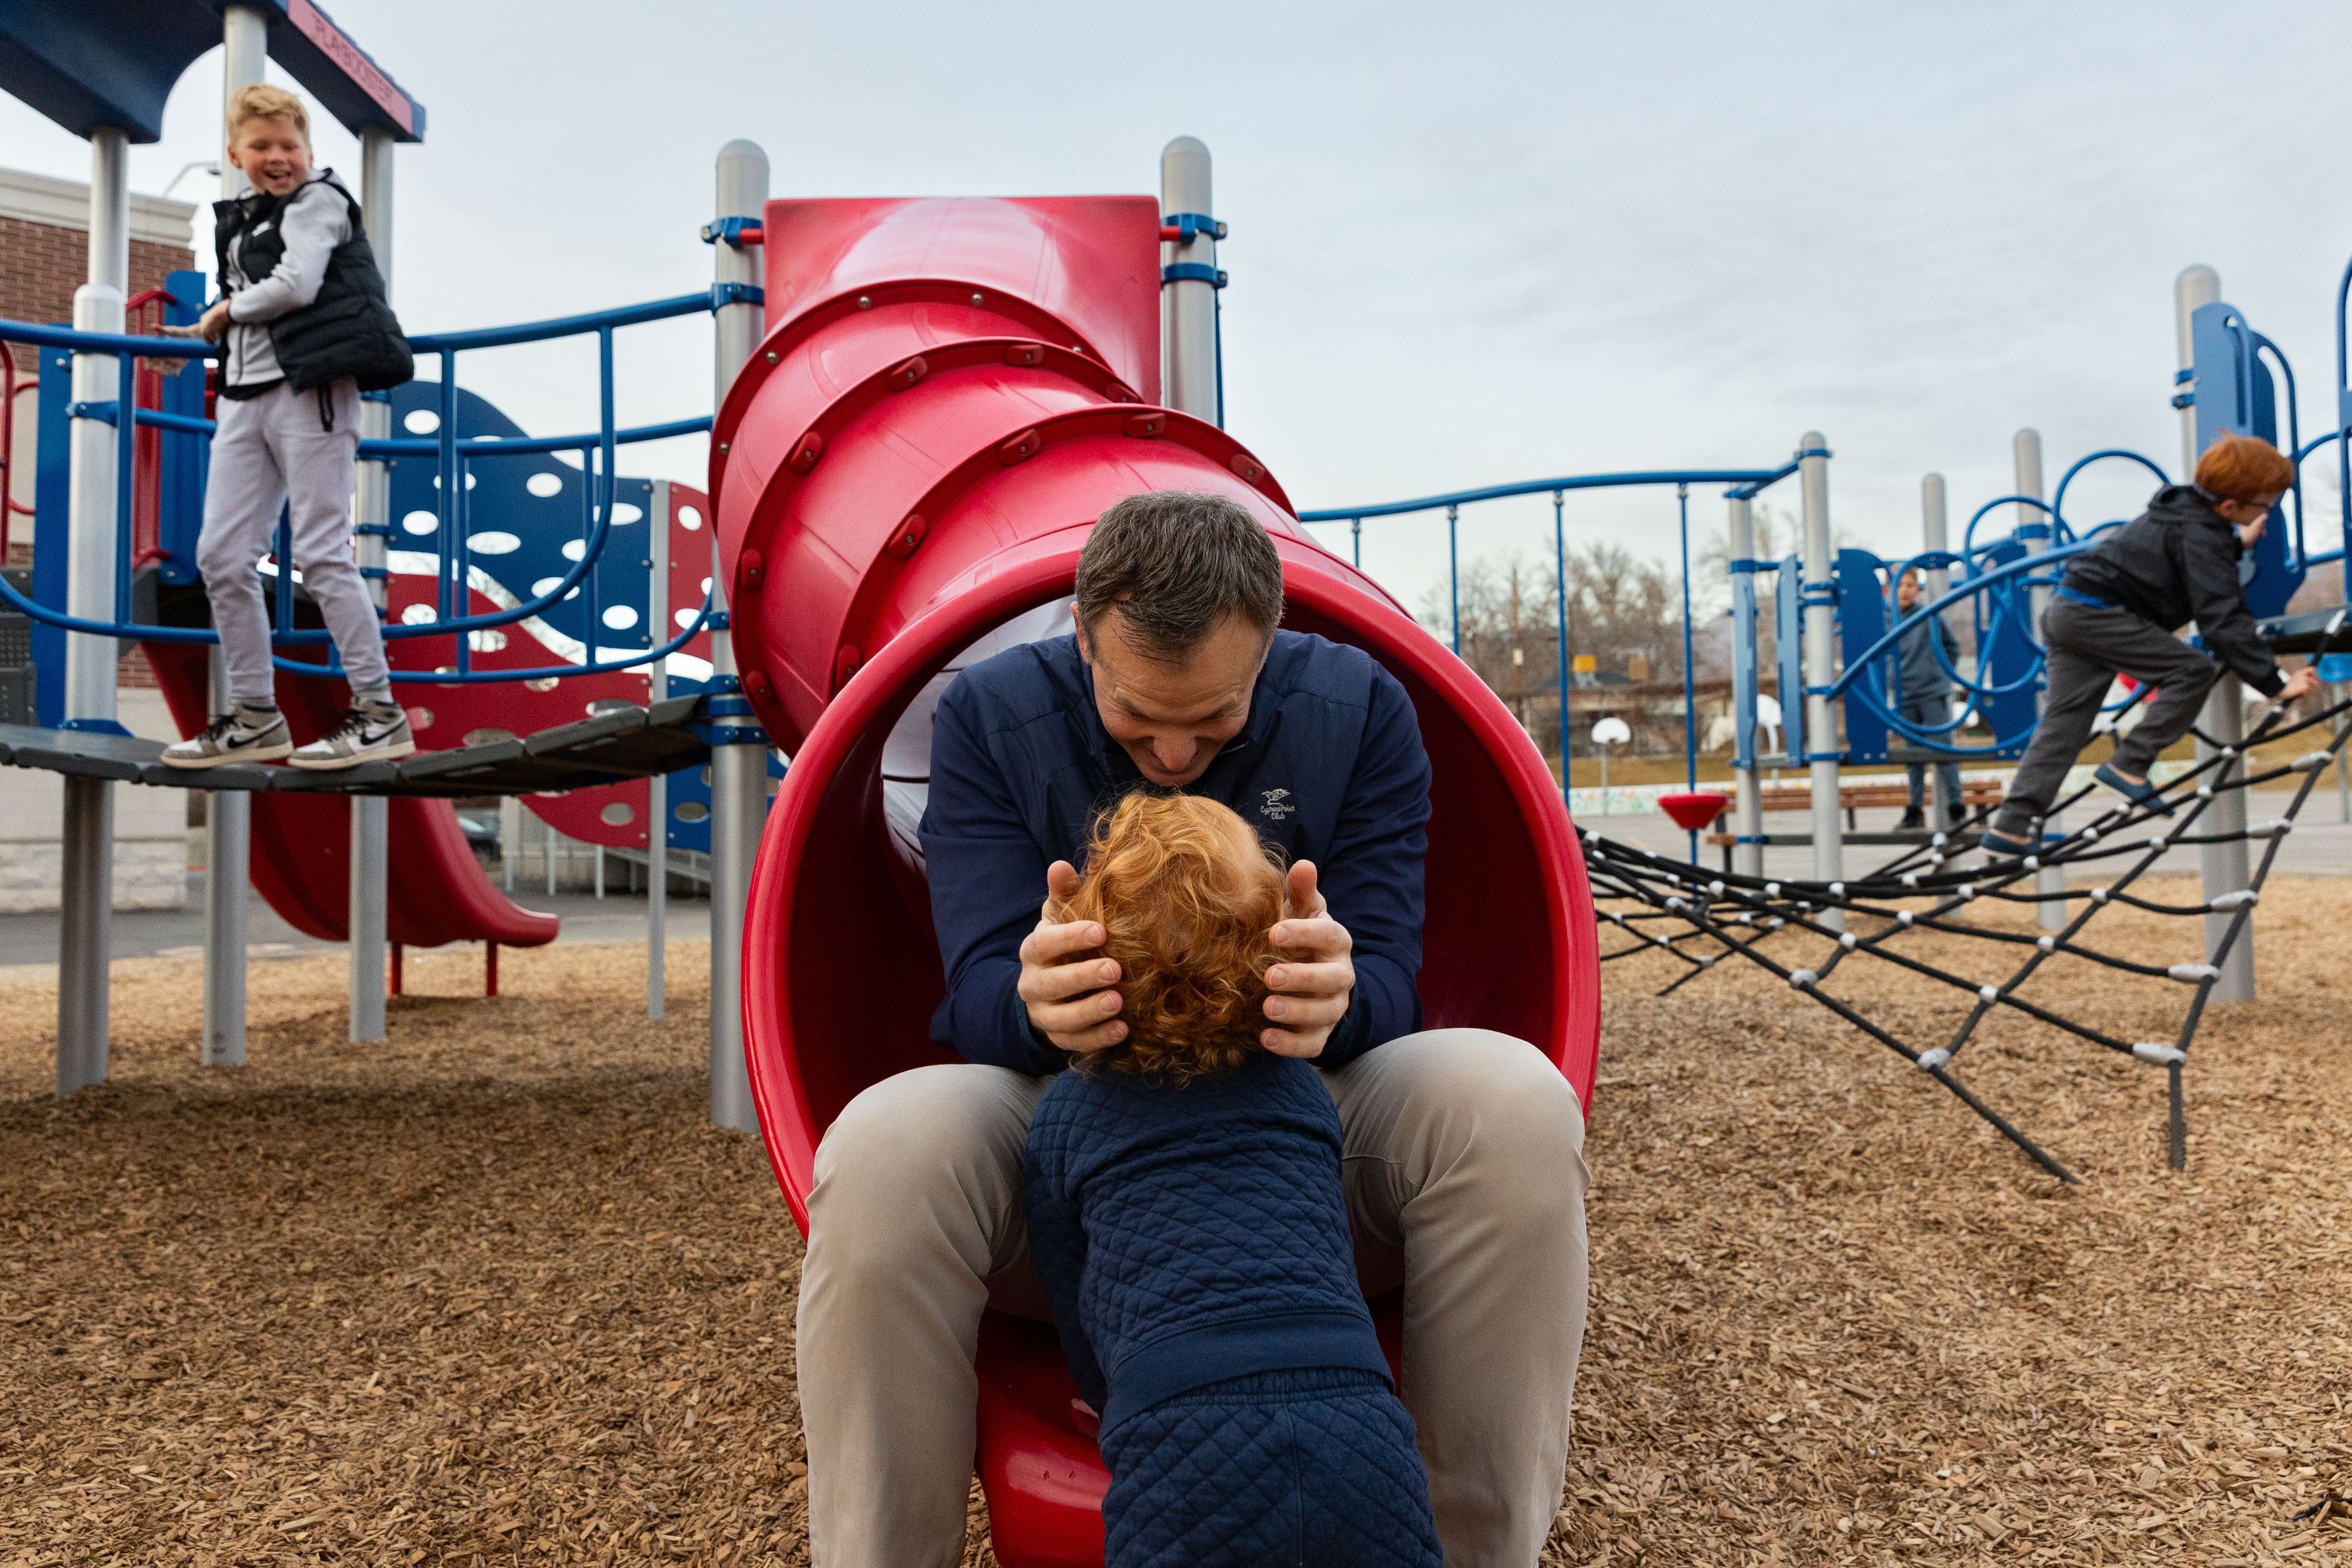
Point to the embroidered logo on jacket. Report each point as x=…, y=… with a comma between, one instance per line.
x=1278, y=805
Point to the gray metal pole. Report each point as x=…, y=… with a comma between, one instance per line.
x=510, y=839
x=228, y=814
x=739, y=773
x=1748, y=855
x=370, y=859
x=1822, y=743
x=1188, y=310
x=2224, y=866
x=660, y=516
x=1935, y=533
x=85, y=935
x=229, y=840
x=2025, y=449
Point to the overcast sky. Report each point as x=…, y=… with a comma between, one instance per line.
x=1470, y=244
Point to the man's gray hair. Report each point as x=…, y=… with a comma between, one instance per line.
x=1175, y=565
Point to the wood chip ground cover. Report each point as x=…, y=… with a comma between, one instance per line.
x=493, y=1293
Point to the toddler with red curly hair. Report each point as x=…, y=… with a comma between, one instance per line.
x=1186, y=1217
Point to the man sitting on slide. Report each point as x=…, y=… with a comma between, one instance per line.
x=1463, y=1149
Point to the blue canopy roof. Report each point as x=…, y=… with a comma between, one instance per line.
x=92, y=63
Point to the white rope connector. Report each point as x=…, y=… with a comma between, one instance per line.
x=2032, y=862
x=2089, y=836
x=1930, y=1060
x=2229, y=753
x=1716, y=887
x=1938, y=841
x=2271, y=828
x=2100, y=894
x=1988, y=992
x=1802, y=979
x=2309, y=763
x=1837, y=890
x=1677, y=904
x=2192, y=974
x=1910, y=879
x=1902, y=917
x=2205, y=792
x=2238, y=899
x=2047, y=944
x=1848, y=941
x=1772, y=889
x=1964, y=891
x=1775, y=923
x=2162, y=1056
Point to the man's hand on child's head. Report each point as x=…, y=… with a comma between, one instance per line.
x=1064, y=982
x=1309, y=988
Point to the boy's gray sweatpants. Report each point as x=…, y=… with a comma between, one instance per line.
x=2088, y=648
x=282, y=448
x=1463, y=1161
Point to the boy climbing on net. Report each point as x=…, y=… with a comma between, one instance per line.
x=1186, y=1217
x=305, y=329
x=2114, y=613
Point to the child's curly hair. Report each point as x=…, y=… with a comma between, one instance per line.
x=1188, y=896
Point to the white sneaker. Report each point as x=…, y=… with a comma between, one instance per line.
x=368, y=733
x=240, y=735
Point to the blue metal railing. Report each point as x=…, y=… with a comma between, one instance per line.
x=597, y=450
x=1740, y=484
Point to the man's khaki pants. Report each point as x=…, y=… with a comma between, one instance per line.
x=1465, y=1179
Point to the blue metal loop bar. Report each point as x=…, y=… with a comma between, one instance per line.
x=1193, y=272
x=1190, y=226
x=2058, y=497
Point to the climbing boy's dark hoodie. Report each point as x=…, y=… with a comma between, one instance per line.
x=2175, y=563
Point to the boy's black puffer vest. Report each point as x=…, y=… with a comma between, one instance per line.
x=349, y=330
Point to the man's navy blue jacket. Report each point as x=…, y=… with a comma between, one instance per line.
x=1329, y=768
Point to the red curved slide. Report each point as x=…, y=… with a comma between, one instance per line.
x=301, y=843
x=949, y=393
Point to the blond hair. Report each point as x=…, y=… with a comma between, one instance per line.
x=1187, y=897
x=259, y=101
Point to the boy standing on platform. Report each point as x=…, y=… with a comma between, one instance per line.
x=1924, y=697
x=306, y=328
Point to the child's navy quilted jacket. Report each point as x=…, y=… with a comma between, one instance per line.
x=1193, y=1241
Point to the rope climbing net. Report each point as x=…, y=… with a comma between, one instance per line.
x=1803, y=931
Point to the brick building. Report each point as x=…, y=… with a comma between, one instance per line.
x=44, y=258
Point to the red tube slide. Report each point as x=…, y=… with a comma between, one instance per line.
x=949, y=394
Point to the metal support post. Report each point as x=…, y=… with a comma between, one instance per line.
x=739, y=773
x=662, y=515
x=370, y=857
x=85, y=935
x=2224, y=866
x=1187, y=307
x=1823, y=742
x=1748, y=854
x=229, y=841
x=1935, y=534
x=228, y=814
x=2035, y=529
x=509, y=838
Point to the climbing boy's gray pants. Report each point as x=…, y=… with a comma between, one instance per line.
x=2088, y=648
x=297, y=451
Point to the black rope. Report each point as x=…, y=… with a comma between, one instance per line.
x=1714, y=906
